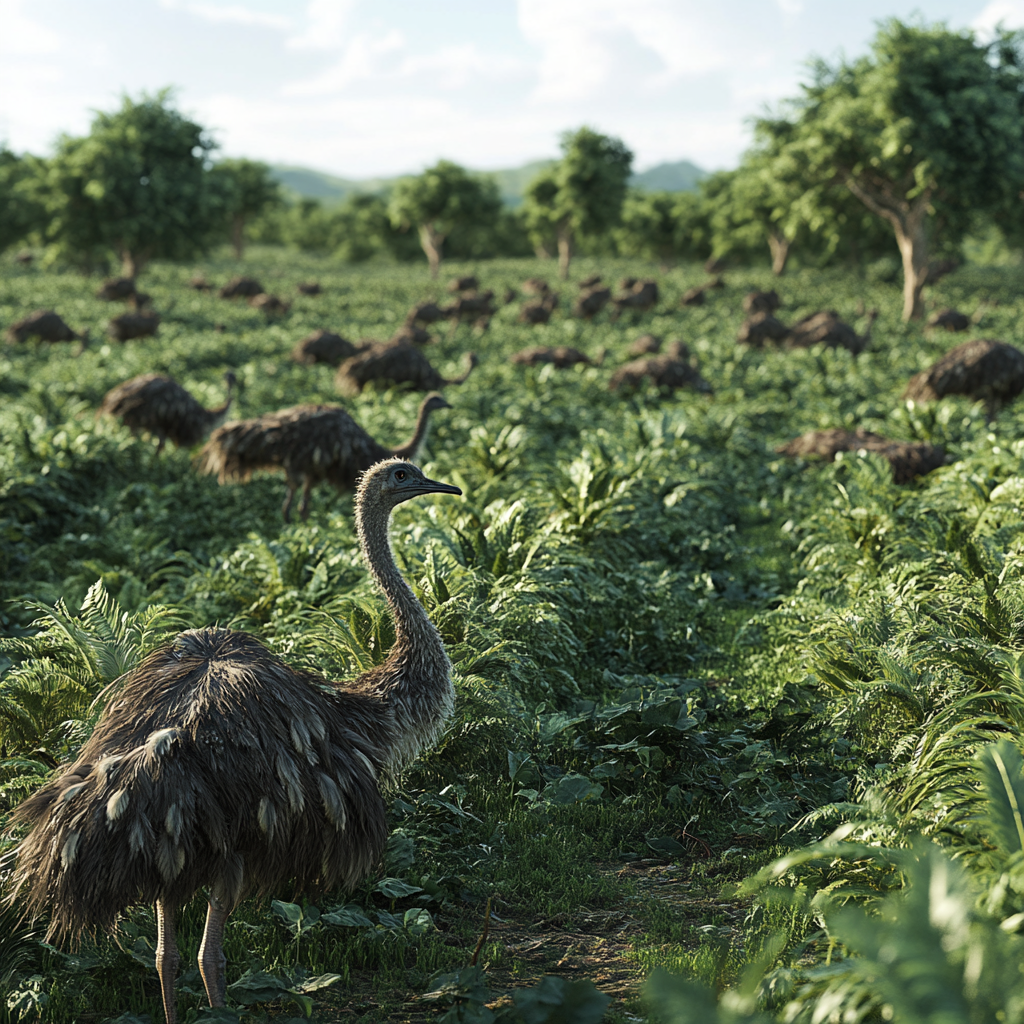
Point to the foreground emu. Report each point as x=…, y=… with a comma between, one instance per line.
x=215, y=764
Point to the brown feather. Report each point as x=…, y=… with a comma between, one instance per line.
x=163, y=407
x=986, y=370
x=394, y=363
x=310, y=443
x=216, y=764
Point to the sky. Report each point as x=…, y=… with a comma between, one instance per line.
x=361, y=88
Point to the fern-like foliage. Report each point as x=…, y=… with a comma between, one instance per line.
x=50, y=696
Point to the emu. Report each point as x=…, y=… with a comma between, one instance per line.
x=216, y=764
x=311, y=443
x=163, y=407
x=46, y=325
x=985, y=370
x=395, y=363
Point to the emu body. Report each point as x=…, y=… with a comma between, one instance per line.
x=311, y=443
x=215, y=764
x=395, y=363
x=163, y=407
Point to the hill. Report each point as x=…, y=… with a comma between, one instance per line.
x=680, y=176
x=302, y=182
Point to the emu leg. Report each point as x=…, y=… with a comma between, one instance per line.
x=167, y=958
x=286, y=508
x=304, y=504
x=212, y=961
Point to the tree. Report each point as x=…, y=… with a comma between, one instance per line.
x=663, y=226
x=759, y=203
x=540, y=213
x=135, y=184
x=244, y=189
x=363, y=228
x=582, y=194
x=20, y=211
x=440, y=199
x=926, y=131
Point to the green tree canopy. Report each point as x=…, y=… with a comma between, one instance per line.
x=439, y=200
x=136, y=184
x=663, y=226
x=926, y=132
x=20, y=210
x=540, y=213
x=581, y=195
x=244, y=189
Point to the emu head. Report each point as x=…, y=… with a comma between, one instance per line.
x=434, y=401
x=393, y=481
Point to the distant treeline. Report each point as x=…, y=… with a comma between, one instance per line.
x=898, y=156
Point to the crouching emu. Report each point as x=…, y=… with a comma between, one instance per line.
x=216, y=765
x=395, y=363
x=311, y=443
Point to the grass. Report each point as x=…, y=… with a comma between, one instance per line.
x=633, y=590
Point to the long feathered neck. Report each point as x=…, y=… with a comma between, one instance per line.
x=415, y=679
x=470, y=362
x=372, y=526
x=419, y=434
x=216, y=415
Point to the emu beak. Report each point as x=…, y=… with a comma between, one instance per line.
x=426, y=486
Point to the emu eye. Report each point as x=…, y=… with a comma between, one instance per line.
x=400, y=475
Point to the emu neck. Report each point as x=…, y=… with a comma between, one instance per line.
x=415, y=679
x=419, y=435
x=469, y=369
x=217, y=414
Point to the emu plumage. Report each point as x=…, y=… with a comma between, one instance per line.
x=311, y=443
x=215, y=764
x=162, y=406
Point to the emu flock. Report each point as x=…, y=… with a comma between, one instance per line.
x=323, y=443
x=214, y=765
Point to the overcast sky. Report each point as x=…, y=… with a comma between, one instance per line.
x=367, y=87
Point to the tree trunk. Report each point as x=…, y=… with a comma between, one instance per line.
x=132, y=261
x=129, y=264
x=238, y=235
x=541, y=252
x=432, y=242
x=909, y=220
x=778, y=243
x=912, y=238
x=564, y=250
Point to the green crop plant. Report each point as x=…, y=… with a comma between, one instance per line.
x=679, y=656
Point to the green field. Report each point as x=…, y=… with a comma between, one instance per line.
x=678, y=654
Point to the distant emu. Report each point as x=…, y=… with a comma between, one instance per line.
x=398, y=363
x=45, y=325
x=561, y=356
x=311, y=443
x=908, y=459
x=324, y=347
x=988, y=371
x=164, y=408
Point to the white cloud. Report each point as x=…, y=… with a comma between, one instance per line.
x=454, y=67
x=325, y=25
x=1009, y=13
x=360, y=60
x=581, y=42
x=791, y=7
x=21, y=36
x=235, y=14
